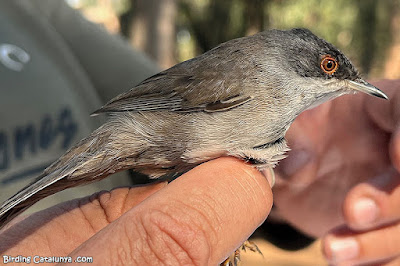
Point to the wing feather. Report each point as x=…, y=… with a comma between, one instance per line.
x=212, y=82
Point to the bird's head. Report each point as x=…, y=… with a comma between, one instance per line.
x=315, y=68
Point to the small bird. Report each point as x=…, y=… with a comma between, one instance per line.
x=237, y=99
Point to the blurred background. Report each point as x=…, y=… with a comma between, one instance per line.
x=171, y=31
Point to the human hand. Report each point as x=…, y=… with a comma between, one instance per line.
x=371, y=234
x=334, y=147
x=345, y=148
x=199, y=218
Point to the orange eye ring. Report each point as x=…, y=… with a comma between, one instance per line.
x=329, y=64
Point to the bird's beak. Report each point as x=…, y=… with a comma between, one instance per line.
x=363, y=86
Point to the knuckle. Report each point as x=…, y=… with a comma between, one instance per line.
x=172, y=241
x=123, y=253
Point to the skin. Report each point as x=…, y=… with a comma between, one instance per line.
x=188, y=222
x=343, y=173
x=343, y=151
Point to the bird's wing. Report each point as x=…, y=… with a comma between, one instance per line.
x=212, y=82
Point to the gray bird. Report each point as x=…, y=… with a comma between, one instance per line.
x=237, y=99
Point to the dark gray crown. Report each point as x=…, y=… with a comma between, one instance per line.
x=304, y=52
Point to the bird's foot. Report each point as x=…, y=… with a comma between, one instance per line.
x=234, y=259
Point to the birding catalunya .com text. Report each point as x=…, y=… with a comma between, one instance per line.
x=44, y=259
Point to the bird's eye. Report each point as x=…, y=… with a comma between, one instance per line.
x=329, y=64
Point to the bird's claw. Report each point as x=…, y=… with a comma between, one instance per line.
x=272, y=180
x=234, y=259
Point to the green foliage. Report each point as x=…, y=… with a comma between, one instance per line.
x=326, y=18
x=361, y=28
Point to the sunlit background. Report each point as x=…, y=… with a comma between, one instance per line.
x=171, y=31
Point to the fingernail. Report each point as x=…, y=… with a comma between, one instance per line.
x=343, y=249
x=365, y=211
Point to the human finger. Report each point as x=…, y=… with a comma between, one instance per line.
x=373, y=203
x=74, y=221
x=375, y=247
x=200, y=218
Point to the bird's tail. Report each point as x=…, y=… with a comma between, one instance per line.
x=29, y=196
x=90, y=160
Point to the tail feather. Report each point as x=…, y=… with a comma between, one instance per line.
x=90, y=160
x=68, y=171
x=19, y=202
x=44, y=186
